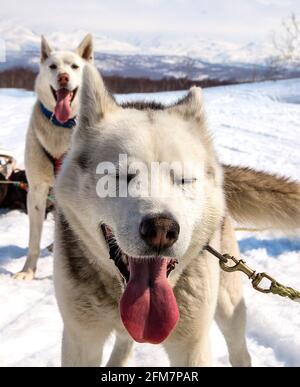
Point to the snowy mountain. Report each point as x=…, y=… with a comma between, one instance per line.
x=153, y=56
x=21, y=38
x=254, y=125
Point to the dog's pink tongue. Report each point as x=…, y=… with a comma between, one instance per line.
x=63, y=106
x=148, y=307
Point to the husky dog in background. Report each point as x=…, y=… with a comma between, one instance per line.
x=58, y=86
x=115, y=256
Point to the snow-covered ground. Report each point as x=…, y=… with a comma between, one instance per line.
x=256, y=125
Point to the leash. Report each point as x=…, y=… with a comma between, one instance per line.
x=18, y=184
x=256, y=278
x=23, y=186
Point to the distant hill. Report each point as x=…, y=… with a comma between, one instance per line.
x=154, y=58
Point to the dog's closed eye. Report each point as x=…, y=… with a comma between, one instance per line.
x=186, y=181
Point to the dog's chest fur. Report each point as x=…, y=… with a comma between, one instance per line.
x=95, y=290
x=55, y=140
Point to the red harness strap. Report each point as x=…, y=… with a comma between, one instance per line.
x=58, y=164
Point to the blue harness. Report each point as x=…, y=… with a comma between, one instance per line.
x=70, y=124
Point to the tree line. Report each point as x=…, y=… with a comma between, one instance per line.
x=24, y=78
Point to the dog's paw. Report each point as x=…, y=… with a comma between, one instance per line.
x=27, y=275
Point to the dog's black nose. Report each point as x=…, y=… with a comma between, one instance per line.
x=159, y=231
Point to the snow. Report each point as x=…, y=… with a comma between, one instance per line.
x=256, y=125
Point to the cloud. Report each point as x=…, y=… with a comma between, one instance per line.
x=277, y=3
x=215, y=19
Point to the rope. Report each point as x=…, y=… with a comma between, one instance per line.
x=24, y=187
x=284, y=291
x=18, y=184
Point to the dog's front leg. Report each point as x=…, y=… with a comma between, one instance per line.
x=190, y=353
x=36, y=204
x=196, y=293
x=121, y=352
x=83, y=347
x=231, y=310
x=189, y=345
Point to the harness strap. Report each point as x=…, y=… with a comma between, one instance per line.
x=57, y=163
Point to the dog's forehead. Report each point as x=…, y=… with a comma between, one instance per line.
x=150, y=135
x=67, y=57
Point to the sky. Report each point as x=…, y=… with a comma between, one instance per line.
x=235, y=20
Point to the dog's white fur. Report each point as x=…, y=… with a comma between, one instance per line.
x=43, y=135
x=87, y=283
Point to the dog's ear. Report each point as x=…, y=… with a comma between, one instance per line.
x=191, y=107
x=45, y=49
x=96, y=101
x=85, y=49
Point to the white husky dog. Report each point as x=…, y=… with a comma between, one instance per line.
x=58, y=86
x=115, y=254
